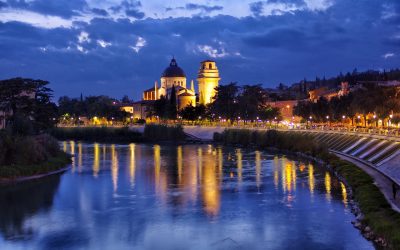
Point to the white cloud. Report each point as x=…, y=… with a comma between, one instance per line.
x=388, y=55
x=140, y=43
x=83, y=37
x=81, y=49
x=34, y=19
x=103, y=43
x=212, y=52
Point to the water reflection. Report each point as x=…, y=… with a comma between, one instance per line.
x=20, y=202
x=150, y=195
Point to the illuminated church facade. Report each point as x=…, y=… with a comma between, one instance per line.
x=174, y=77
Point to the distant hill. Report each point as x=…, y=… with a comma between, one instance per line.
x=299, y=90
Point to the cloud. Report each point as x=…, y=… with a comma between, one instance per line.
x=100, y=12
x=61, y=8
x=131, y=8
x=83, y=37
x=103, y=43
x=140, y=43
x=212, y=52
x=3, y=4
x=388, y=55
x=193, y=6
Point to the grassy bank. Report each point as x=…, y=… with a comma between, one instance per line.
x=27, y=155
x=52, y=164
x=378, y=214
x=120, y=135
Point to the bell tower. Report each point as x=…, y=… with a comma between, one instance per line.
x=208, y=79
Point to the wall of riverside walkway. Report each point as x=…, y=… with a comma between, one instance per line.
x=380, y=152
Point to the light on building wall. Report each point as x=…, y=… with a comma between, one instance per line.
x=257, y=118
x=344, y=117
x=287, y=106
x=358, y=117
x=310, y=117
x=374, y=116
x=391, y=116
x=239, y=117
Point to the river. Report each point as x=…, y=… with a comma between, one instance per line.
x=143, y=196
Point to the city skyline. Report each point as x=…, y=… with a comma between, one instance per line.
x=120, y=47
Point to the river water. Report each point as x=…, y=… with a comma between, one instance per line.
x=142, y=196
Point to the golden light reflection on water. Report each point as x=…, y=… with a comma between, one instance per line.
x=161, y=184
x=114, y=167
x=179, y=160
x=289, y=177
x=328, y=186
x=344, y=193
x=258, y=168
x=210, y=185
x=80, y=157
x=311, y=180
x=239, y=162
x=199, y=172
x=276, y=171
x=96, y=159
x=200, y=161
x=132, y=163
x=72, y=152
x=220, y=163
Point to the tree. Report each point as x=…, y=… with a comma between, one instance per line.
x=226, y=101
x=125, y=99
x=30, y=99
x=172, y=107
x=252, y=102
x=192, y=113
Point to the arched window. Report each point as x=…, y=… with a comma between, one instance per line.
x=210, y=66
x=204, y=66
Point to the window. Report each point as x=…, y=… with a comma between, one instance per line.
x=210, y=66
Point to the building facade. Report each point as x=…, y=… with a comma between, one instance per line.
x=175, y=77
x=208, y=79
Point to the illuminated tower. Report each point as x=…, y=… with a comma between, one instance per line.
x=208, y=79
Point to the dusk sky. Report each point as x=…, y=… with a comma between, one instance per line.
x=121, y=47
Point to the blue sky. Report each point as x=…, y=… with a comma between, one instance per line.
x=121, y=47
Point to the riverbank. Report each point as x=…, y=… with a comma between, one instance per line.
x=18, y=173
x=376, y=219
x=150, y=133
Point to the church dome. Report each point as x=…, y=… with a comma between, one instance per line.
x=173, y=70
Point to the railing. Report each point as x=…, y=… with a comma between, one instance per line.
x=390, y=132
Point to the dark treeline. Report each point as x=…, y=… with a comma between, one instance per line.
x=366, y=100
x=91, y=106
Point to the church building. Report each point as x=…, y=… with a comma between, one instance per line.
x=174, y=77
